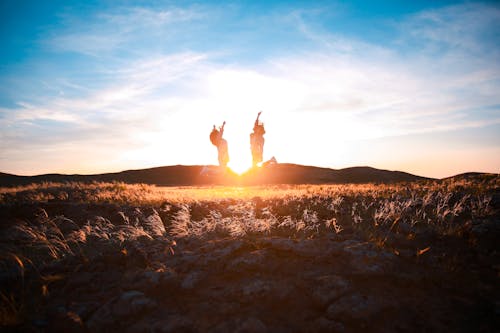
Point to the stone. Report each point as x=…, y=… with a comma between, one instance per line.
x=174, y=324
x=355, y=306
x=191, y=280
x=328, y=288
x=256, y=288
x=132, y=302
x=129, y=304
x=323, y=324
x=366, y=258
x=101, y=319
x=248, y=261
x=151, y=280
x=251, y=325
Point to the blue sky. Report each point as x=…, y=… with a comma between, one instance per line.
x=100, y=86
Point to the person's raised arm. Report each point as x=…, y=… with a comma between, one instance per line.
x=222, y=128
x=257, y=120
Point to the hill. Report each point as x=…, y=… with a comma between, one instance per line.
x=184, y=175
x=300, y=174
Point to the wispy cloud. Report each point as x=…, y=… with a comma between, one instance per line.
x=340, y=89
x=466, y=28
x=456, y=69
x=118, y=30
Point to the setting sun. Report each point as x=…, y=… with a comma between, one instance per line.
x=238, y=167
x=240, y=158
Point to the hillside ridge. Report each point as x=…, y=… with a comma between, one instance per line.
x=185, y=175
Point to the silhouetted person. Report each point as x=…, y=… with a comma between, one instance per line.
x=257, y=141
x=221, y=144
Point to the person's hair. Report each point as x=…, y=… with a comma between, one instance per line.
x=214, y=136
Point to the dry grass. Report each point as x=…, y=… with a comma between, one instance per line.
x=195, y=211
x=142, y=194
x=378, y=213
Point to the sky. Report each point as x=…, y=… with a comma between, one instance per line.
x=104, y=86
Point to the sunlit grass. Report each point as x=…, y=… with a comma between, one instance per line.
x=51, y=222
x=150, y=194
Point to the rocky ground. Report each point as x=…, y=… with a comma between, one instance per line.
x=77, y=267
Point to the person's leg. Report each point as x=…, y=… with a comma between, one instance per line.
x=223, y=153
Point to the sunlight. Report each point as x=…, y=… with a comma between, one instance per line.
x=239, y=163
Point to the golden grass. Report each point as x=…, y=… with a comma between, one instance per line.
x=149, y=194
x=377, y=212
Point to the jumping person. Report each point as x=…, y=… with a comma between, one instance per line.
x=221, y=144
x=257, y=141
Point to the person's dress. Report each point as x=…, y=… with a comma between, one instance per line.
x=223, y=152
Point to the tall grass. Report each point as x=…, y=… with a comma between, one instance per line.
x=374, y=211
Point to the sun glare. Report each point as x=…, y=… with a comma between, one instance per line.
x=239, y=165
x=240, y=157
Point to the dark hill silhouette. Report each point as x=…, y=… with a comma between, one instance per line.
x=472, y=175
x=300, y=174
x=183, y=175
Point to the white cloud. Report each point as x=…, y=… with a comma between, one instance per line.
x=120, y=30
x=157, y=109
x=460, y=27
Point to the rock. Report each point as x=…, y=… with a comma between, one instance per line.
x=366, y=258
x=144, y=325
x=83, y=310
x=356, y=307
x=328, y=288
x=303, y=248
x=191, y=280
x=222, y=249
x=81, y=279
x=187, y=260
x=404, y=228
x=152, y=279
x=359, y=249
x=132, y=302
x=480, y=227
x=101, y=319
x=252, y=325
x=136, y=255
x=323, y=324
x=248, y=261
x=485, y=234
x=174, y=324
x=256, y=288
x=495, y=200
x=129, y=304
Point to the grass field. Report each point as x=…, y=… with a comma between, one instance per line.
x=72, y=255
